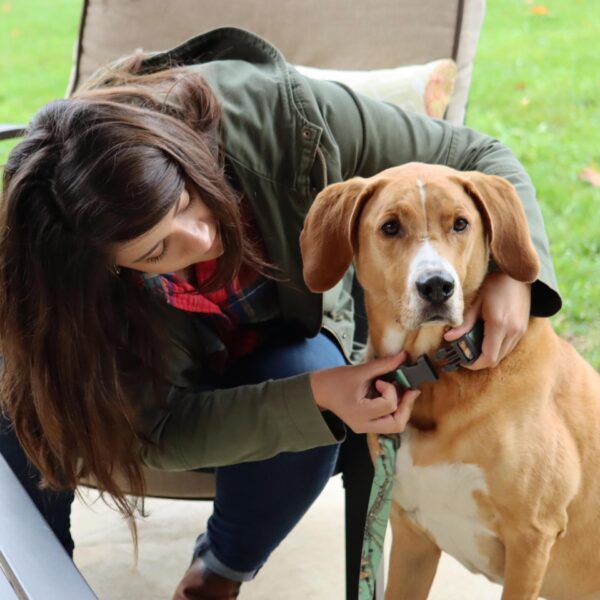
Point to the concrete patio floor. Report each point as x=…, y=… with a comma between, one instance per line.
x=309, y=565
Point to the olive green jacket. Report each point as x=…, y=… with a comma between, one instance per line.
x=286, y=137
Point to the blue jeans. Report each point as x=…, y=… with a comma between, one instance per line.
x=257, y=503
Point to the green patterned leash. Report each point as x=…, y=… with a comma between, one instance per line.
x=378, y=512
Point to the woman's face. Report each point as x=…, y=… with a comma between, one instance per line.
x=188, y=234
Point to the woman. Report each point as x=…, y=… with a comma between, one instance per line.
x=154, y=310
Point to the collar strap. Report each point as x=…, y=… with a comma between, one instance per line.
x=463, y=351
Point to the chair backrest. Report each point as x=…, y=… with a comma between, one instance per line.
x=365, y=34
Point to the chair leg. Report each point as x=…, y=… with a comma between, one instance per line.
x=357, y=475
x=380, y=581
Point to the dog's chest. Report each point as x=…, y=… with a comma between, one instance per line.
x=439, y=499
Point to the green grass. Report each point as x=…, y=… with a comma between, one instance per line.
x=36, y=46
x=536, y=87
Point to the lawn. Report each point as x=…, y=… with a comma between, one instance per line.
x=536, y=87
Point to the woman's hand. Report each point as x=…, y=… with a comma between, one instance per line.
x=344, y=391
x=504, y=305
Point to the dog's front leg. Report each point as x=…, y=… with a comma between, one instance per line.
x=527, y=557
x=413, y=560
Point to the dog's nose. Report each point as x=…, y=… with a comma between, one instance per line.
x=435, y=287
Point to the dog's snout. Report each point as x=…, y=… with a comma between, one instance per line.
x=435, y=287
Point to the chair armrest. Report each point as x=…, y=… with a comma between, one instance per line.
x=8, y=132
x=31, y=558
x=7, y=592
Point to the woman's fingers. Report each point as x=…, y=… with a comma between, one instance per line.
x=381, y=366
x=383, y=405
x=505, y=306
x=404, y=410
x=380, y=419
x=469, y=319
x=494, y=337
x=386, y=389
x=344, y=391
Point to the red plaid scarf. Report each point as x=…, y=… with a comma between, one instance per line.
x=229, y=312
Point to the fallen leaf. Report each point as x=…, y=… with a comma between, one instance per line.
x=539, y=9
x=591, y=175
x=525, y=101
x=520, y=85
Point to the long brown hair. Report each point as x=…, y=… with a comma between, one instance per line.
x=94, y=170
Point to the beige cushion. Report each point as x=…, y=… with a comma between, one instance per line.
x=425, y=89
x=321, y=33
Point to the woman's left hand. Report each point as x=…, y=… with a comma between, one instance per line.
x=504, y=305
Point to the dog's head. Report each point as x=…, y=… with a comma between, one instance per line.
x=420, y=236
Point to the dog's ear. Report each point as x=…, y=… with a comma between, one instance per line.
x=504, y=218
x=326, y=240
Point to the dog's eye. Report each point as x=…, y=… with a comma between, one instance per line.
x=460, y=224
x=391, y=228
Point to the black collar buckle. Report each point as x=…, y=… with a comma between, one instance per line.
x=412, y=376
x=463, y=351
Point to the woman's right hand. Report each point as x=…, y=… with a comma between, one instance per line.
x=344, y=391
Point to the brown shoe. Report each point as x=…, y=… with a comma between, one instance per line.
x=200, y=583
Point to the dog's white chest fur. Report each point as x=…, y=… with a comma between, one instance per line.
x=439, y=498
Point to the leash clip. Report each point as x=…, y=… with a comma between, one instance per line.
x=394, y=437
x=463, y=351
x=412, y=376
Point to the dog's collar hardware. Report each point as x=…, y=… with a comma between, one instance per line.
x=463, y=351
x=412, y=376
x=394, y=437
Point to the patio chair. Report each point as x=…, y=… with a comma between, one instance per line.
x=337, y=34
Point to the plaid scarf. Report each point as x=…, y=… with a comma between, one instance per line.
x=228, y=315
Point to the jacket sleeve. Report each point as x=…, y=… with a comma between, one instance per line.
x=369, y=136
x=194, y=427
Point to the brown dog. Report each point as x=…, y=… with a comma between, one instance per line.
x=500, y=467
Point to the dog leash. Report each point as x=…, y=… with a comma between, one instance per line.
x=378, y=512
x=463, y=351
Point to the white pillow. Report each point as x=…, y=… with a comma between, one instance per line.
x=425, y=89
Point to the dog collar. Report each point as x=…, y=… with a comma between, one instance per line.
x=463, y=351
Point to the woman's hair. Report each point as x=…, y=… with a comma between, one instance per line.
x=94, y=170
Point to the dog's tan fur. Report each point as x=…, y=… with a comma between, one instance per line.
x=531, y=425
